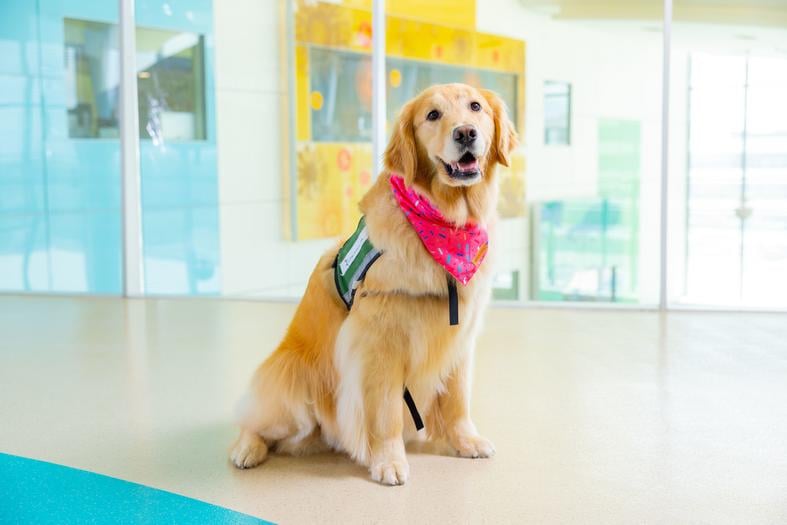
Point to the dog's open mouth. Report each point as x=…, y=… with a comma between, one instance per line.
x=464, y=168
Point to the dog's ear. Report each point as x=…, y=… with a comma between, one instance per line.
x=401, y=155
x=506, y=139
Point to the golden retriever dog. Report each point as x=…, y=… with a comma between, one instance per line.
x=336, y=380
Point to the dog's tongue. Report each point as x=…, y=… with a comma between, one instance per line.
x=470, y=165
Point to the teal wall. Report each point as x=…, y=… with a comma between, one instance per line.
x=180, y=214
x=60, y=219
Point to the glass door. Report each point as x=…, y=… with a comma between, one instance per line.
x=736, y=204
x=764, y=186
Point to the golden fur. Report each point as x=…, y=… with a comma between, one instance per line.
x=337, y=377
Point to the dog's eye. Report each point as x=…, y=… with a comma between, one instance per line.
x=433, y=115
x=475, y=106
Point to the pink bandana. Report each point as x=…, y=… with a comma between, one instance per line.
x=458, y=249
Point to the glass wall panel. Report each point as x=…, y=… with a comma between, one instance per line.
x=589, y=248
x=178, y=165
x=60, y=225
x=591, y=148
x=269, y=157
x=255, y=130
x=728, y=162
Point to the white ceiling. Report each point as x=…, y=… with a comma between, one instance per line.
x=729, y=26
x=767, y=13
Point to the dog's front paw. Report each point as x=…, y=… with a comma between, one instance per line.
x=390, y=472
x=473, y=446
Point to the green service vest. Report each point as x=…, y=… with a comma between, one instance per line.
x=354, y=259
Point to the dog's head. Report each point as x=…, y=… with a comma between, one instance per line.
x=454, y=132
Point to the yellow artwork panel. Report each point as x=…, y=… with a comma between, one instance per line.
x=511, y=202
x=332, y=89
x=454, y=13
x=332, y=178
x=413, y=37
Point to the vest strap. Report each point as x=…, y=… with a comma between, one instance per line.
x=419, y=424
x=453, y=303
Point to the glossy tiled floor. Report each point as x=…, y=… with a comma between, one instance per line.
x=597, y=416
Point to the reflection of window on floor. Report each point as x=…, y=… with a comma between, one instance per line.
x=736, y=209
x=557, y=113
x=587, y=249
x=170, y=75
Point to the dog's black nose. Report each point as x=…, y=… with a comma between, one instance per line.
x=465, y=135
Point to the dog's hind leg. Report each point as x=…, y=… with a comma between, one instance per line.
x=249, y=450
x=255, y=438
x=265, y=422
x=274, y=414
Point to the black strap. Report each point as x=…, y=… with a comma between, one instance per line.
x=453, y=319
x=453, y=303
x=419, y=424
